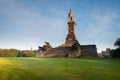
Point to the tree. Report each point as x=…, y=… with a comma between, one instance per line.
x=26, y=53
x=117, y=43
x=4, y=53
x=8, y=53
x=13, y=52
x=116, y=53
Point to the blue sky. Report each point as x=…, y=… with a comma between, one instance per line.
x=26, y=23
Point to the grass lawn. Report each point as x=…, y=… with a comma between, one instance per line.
x=59, y=69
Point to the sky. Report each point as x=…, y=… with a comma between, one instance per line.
x=28, y=23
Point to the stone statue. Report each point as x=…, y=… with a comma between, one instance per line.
x=71, y=15
x=47, y=43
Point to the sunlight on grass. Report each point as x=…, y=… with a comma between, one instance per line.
x=58, y=69
x=4, y=61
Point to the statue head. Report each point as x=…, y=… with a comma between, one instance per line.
x=71, y=15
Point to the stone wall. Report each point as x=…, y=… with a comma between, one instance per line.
x=75, y=51
x=47, y=51
x=89, y=50
x=59, y=52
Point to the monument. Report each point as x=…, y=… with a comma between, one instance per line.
x=71, y=47
x=71, y=37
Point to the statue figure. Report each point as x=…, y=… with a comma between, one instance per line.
x=47, y=43
x=71, y=15
x=47, y=46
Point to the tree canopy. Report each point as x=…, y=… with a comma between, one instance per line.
x=116, y=53
x=117, y=43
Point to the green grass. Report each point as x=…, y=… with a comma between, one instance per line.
x=59, y=69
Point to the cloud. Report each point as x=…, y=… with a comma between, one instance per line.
x=27, y=25
x=100, y=23
x=27, y=20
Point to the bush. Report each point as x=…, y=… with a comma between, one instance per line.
x=116, y=53
x=26, y=54
x=8, y=52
